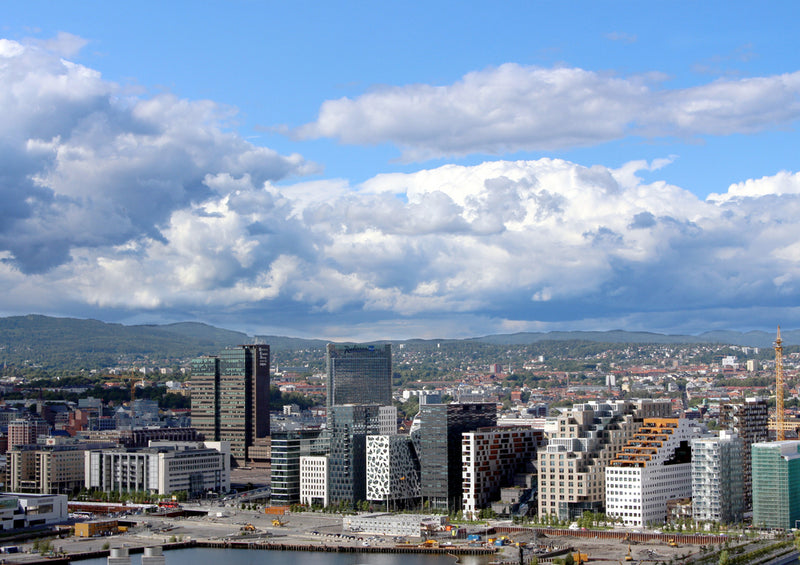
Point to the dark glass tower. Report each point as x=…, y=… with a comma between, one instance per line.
x=239, y=411
x=438, y=442
x=347, y=466
x=750, y=420
x=287, y=449
x=205, y=396
x=359, y=374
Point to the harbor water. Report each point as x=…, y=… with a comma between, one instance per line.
x=205, y=556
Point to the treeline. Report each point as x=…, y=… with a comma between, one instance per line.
x=117, y=396
x=278, y=399
x=112, y=396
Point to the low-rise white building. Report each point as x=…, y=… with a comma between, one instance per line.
x=21, y=511
x=392, y=524
x=162, y=468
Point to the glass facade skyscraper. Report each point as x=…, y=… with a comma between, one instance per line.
x=232, y=400
x=750, y=421
x=776, y=480
x=287, y=449
x=347, y=467
x=437, y=438
x=205, y=396
x=359, y=374
x=359, y=394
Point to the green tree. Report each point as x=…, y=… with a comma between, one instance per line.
x=409, y=408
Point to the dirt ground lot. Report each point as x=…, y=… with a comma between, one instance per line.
x=600, y=551
x=323, y=529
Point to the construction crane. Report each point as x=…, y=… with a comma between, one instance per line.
x=133, y=380
x=780, y=435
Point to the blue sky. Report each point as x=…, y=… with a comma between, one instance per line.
x=391, y=170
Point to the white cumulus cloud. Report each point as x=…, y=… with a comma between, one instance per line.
x=783, y=183
x=138, y=205
x=514, y=107
x=522, y=242
x=83, y=166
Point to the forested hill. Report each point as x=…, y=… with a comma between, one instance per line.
x=68, y=343
x=73, y=344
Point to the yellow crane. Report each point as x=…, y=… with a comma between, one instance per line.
x=780, y=434
x=133, y=379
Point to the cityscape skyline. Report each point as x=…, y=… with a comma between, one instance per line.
x=363, y=172
x=646, y=462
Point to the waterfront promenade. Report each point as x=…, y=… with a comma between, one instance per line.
x=252, y=530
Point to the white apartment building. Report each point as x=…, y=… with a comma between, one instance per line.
x=717, y=480
x=654, y=467
x=314, y=480
x=583, y=440
x=392, y=470
x=162, y=468
x=490, y=457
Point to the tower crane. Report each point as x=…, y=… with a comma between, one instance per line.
x=780, y=435
x=133, y=379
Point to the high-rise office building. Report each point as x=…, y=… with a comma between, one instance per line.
x=392, y=471
x=350, y=424
x=571, y=469
x=776, y=481
x=750, y=421
x=359, y=388
x=205, y=396
x=717, y=485
x=359, y=374
x=230, y=397
x=436, y=434
x=288, y=447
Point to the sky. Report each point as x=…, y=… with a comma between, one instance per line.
x=393, y=170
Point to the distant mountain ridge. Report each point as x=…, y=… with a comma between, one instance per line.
x=71, y=343
x=744, y=339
